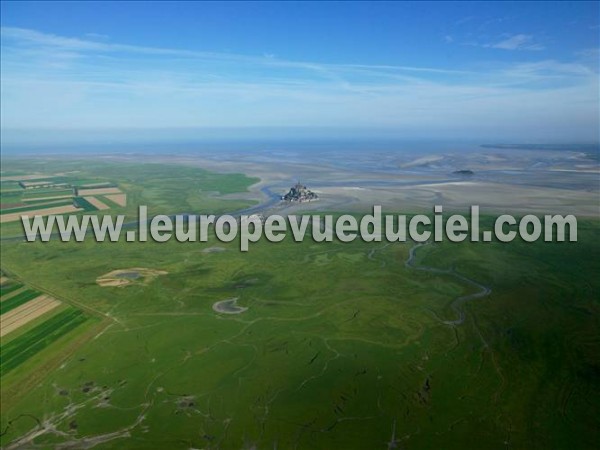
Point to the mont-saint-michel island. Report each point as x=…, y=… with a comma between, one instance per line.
x=300, y=194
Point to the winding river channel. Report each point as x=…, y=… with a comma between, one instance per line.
x=458, y=302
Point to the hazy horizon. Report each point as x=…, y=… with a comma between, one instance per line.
x=15, y=141
x=252, y=139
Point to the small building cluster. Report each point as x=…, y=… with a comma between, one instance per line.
x=300, y=193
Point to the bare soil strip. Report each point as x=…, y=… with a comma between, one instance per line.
x=124, y=277
x=97, y=203
x=100, y=191
x=26, y=313
x=39, y=212
x=119, y=199
x=23, y=310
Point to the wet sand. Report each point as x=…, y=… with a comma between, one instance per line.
x=519, y=181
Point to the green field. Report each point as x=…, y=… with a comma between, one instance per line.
x=38, y=205
x=8, y=288
x=17, y=300
x=83, y=203
x=164, y=188
x=343, y=346
x=31, y=196
x=26, y=346
x=28, y=195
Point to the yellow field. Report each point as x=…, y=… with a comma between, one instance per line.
x=119, y=199
x=26, y=313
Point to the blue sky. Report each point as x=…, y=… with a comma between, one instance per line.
x=443, y=70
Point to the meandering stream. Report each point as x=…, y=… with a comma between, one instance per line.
x=457, y=303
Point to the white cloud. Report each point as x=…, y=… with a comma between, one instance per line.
x=517, y=42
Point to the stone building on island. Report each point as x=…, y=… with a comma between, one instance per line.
x=300, y=193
